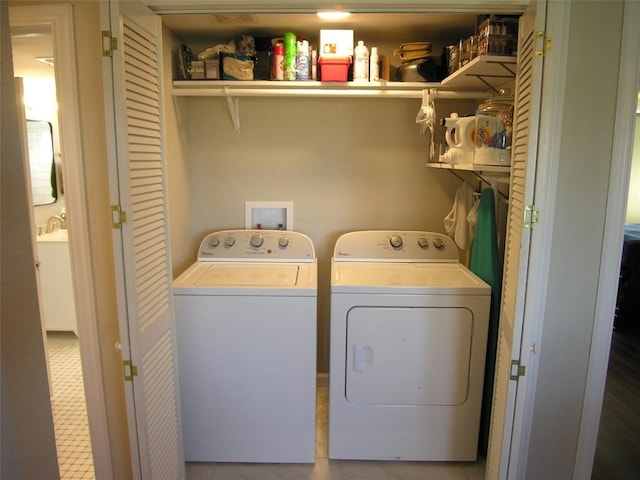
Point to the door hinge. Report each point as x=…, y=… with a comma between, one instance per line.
x=517, y=370
x=544, y=44
x=118, y=216
x=109, y=44
x=531, y=216
x=130, y=370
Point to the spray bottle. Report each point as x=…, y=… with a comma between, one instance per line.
x=289, y=56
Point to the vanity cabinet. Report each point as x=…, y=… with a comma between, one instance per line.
x=56, y=286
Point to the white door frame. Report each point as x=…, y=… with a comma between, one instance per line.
x=628, y=85
x=60, y=19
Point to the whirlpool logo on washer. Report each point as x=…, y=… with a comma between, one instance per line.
x=342, y=254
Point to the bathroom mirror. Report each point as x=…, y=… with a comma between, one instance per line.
x=41, y=162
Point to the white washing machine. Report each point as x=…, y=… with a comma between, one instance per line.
x=246, y=333
x=408, y=341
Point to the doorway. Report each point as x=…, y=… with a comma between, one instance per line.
x=34, y=62
x=58, y=20
x=618, y=444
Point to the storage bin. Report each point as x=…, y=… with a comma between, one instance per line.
x=498, y=35
x=262, y=66
x=236, y=67
x=334, y=69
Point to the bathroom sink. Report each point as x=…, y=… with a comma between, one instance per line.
x=61, y=235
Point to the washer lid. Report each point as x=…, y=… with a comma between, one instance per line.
x=248, y=278
x=405, y=278
x=245, y=275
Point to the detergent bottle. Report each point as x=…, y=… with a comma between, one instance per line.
x=460, y=136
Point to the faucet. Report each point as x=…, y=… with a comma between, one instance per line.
x=51, y=223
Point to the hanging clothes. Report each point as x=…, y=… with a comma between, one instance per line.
x=485, y=263
x=456, y=223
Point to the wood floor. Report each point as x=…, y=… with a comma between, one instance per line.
x=618, y=448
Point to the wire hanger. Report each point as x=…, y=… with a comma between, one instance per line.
x=482, y=180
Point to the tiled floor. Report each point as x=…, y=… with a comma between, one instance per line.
x=325, y=469
x=69, y=407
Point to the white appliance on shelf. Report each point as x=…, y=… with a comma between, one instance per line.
x=246, y=332
x=408, y=342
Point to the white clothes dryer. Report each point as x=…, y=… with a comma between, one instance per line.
x=408, y=342
x=246, y=333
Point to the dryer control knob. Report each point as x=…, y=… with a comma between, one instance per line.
x=438, y=243
x=256, y=240
x=283, y=242
x=395, y=241
x=229, y=242
x=423, y=243
x=214, y=241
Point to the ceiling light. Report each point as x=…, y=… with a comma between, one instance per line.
x=333, y=15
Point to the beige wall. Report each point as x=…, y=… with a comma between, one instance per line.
x=176, y=136
x=346, y=164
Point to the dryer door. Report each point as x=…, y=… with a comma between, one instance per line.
x=408, y=356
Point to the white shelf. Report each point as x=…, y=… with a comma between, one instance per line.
x=262, y=88
x=232, y=90
x=483, y=72
x=470, y=82
x=469, y=167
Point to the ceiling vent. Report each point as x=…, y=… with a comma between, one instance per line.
x=233, y=18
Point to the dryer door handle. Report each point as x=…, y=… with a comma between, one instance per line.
x=362, y=357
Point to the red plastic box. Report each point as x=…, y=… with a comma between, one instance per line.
x=334, y=68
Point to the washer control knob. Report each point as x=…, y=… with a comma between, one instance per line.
x=283, y=242
x=438, y=243
x=256, y=240
x=229, y=241
x=214, y=241
x=395, y=241
x=423, y=243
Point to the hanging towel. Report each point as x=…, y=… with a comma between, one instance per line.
x=472, y=218
x=485, y=264
x=455, y=223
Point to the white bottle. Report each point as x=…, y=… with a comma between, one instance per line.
x=374, y=66
x=361, y=64
x=314, y=65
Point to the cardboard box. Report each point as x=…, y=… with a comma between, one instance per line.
x=212, y=69
x=197, y=70
x=334, y=68
x=336, y=42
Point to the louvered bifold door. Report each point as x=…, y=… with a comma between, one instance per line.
x=525, y=134
x=144, y=236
